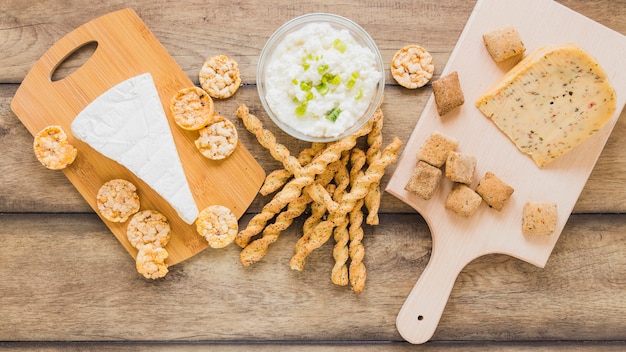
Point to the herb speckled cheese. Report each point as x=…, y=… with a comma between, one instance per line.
x=551, y=101
x=127, y=124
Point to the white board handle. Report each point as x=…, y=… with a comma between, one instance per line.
x=420, y=314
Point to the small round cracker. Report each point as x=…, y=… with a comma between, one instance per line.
x=148, y=228
x=218, y=225
x=220, y=77
x=192, y=108
x=52, y=149
x=218, y=140
x=150, y=262
x=117, y=200
x=412, y=66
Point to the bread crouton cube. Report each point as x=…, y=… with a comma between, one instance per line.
x=424, y=180
x=436, y=148
x=460, y=167
x=448, y=93
x=494, y=191
x=539, y=218
x=504, y=43
x=463, y=200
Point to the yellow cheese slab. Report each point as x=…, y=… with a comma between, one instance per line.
x=550, y=102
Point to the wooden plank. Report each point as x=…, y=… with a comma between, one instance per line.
x=464, y=346
x=19, y=170
x=193, y=32
x=92, y=292
x=435, y=24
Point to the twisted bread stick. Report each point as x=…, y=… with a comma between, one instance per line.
x=373, y=174
x=277, y=178
x=318, y=210
x=304, y=176
x=358, y=161
x=333, y=150
x=339, y=273
x=323, y=230
x=267, y=140
x=357, y=250
x=255, y=250
x=375, y=141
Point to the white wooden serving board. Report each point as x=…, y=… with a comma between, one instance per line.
x=457, y=240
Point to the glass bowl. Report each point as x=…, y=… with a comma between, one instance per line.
x=327, y=83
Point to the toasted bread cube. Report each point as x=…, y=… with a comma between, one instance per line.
x=494, y=191
x=448, y=93
x=460, y=167
x=436, y=148
x=504, y=43
x=463, y=200
x=424, y=180
x=539, y=218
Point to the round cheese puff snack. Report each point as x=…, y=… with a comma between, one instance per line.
x=218, y=140
x=192, y=108
x=148, y=228
x=220, y=77
x=151, y=262
x=218, y=225
x=117, y=200
x=412, y=66
x=52, y=149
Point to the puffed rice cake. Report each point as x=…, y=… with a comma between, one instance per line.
x=117, y=200
x=150, y=262
x=148, y=228
x=218, y=225
x=412, y=66
x=218, y=140
x=52, y=149
x=192, y=108
x=220, y=77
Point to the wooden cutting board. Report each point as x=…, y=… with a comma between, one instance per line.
x=456, y=240
x=126, y=48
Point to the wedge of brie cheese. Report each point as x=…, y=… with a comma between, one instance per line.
x=128, y=125
x=551, y=101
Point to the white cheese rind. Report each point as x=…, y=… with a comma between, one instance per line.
x=551, y=101
x=128, y=125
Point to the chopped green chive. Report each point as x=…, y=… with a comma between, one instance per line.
x=301, y=109
x=333, y=114
x=322, y=88
x=306, y=86
x=339, y=45
x=353, y=77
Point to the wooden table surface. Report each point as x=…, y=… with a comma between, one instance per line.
x=67, y=283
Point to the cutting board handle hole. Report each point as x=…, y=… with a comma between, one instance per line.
x=73, y=61
x=420, y=317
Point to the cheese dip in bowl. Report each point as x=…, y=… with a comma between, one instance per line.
x=320, y=77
